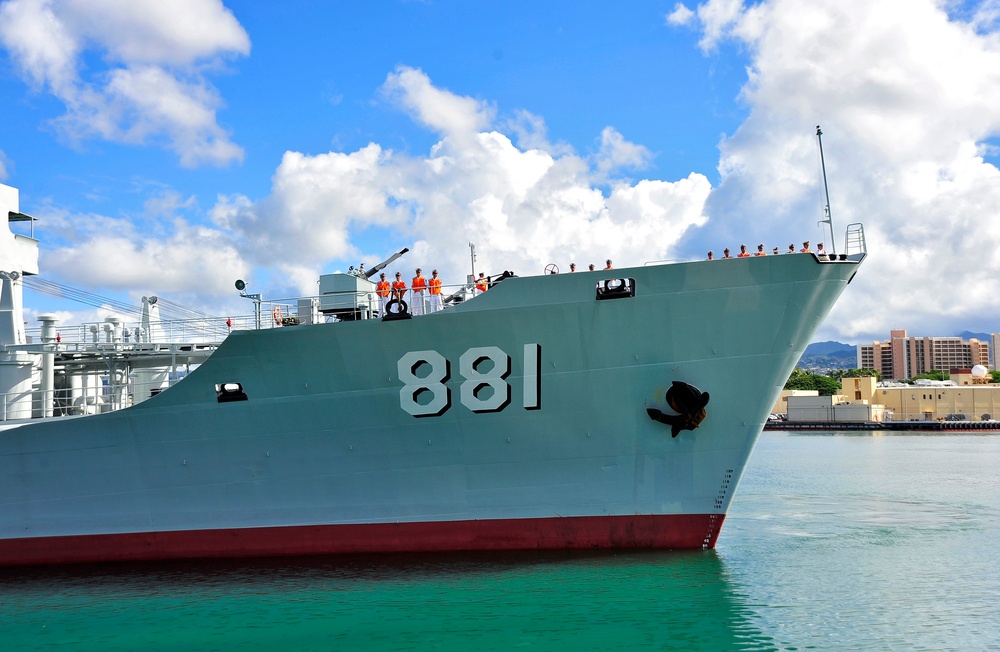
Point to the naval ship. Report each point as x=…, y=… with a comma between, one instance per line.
x=589, y=410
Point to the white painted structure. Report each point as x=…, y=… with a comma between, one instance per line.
x=18, y=256
x=832, y=409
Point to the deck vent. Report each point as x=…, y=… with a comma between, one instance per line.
x=228, y=392
x=616, y=288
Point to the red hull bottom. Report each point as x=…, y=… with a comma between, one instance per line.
x=683, y=531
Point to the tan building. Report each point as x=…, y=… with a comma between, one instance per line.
x=853, y=404
x=966, y=397
x=901, y=357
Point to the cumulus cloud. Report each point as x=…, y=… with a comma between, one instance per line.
x=152, y=83
x=716, y=19
x=160, y=250
x=525, y=207
x=444, y=112
x=529, y=131
x=681, y=15
x=906, y=95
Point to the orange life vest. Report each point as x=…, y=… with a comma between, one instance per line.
x=435, y=284
x=481, y=285
x=382, y=289
x=419, y=283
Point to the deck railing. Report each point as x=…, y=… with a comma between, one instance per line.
x=854, y=239
x=274, y=313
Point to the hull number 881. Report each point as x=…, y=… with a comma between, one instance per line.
x=484, y=388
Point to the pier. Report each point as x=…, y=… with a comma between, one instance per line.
x=931, y=426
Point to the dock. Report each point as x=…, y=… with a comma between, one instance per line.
x=925, y=426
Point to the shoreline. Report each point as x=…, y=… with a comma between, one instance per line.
x=933, y=426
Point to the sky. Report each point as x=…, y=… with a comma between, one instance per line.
x=170, y=148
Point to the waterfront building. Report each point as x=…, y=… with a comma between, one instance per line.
x=968, y=396
x=902, y=357
x=781, y=405
x=854, y=404
x=833, y=409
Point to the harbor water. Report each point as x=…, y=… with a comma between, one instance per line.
x=835, y=541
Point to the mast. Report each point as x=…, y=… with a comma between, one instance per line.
x=826, y=188
x=472, y=255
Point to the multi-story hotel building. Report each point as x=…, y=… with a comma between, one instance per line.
x=902, y=357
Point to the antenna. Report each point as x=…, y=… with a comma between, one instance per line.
x=826, y=188
x=472, y=255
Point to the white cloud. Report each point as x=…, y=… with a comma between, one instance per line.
x=154, y=84
x=717, y=18
x=906, y=96
x=616, y=153
x=179, y=32
x=524, y=207
x=530, y=132
x=681, y=15
x=161, y=252
x=442, y=111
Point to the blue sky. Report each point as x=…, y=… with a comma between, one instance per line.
x=170, y=148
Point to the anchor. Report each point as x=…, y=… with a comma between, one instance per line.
x=688, y=401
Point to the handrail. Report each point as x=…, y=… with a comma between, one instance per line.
x=111, y=395
x=217, y=328
x=854, y=239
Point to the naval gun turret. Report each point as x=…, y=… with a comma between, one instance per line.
x=351, y=296
x=378, y=268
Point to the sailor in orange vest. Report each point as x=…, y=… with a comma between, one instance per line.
x=481, y=283
x=805, y=248
x=608, y=265
x=434, y=287
x=760, y=251
x=419, y=290
x=399, y=287
x=743, y=252
x=382, y=290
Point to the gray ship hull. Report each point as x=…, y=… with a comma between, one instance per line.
x=521, y=419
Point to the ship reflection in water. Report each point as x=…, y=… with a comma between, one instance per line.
x=551, y=601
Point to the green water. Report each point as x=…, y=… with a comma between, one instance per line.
x=842, y=542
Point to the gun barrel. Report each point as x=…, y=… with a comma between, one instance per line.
x=375, y=270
